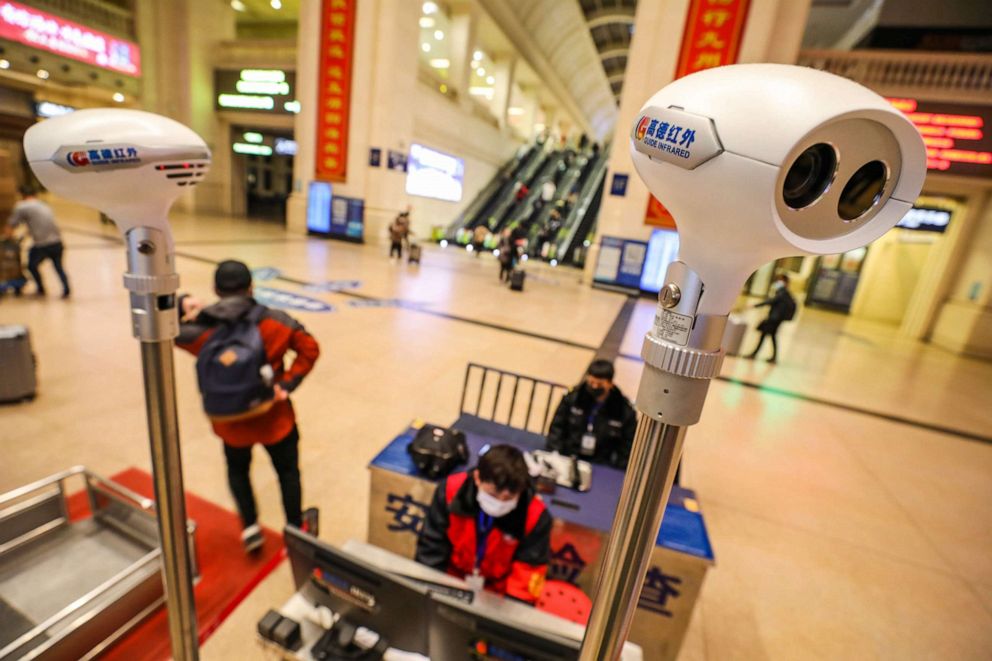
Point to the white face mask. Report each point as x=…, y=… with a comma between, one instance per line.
x=495, y=507
x=777, y=285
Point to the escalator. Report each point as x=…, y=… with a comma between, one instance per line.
x=520, y=213
x=580, y=223
x=488, y=197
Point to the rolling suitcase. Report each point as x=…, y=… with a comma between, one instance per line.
x=733, y=337
x=517, y=280
x=17, y=377
x=413, y=256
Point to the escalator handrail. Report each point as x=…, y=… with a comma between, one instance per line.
x=578, y=212
x=468, y=215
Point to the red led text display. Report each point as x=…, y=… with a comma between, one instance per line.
x=337, y=40
x=956, y=135
x=38, y=29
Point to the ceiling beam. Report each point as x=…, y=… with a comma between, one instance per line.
x=601, y=17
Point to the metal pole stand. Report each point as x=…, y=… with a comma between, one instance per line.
x=152, y=281
x=681, y=355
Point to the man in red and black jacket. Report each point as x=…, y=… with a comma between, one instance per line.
x=275, y=429
x=488, y=526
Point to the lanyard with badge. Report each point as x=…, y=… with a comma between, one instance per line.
x=483, y=527
x=589, y=438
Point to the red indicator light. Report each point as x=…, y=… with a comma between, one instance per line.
x=938, y=142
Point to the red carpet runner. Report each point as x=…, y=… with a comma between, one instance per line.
x=227, y=575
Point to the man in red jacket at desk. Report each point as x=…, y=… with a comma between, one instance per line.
x=489, y=527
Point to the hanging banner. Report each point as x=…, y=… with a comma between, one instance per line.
x=337, y=40
x=657, y=215
x=712, y=38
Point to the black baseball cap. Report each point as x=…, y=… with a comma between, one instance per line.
x=232, y=277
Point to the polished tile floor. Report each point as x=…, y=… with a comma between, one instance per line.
x=849, y=497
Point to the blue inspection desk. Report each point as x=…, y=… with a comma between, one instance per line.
x=400, y=496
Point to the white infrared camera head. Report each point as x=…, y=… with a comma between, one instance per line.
x=129, y=164
x=762, y=161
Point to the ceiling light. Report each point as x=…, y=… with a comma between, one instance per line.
x=425, y=47
x=429, y=7
x=481, y=71
x=237, y=5
x=118, y=97
x=276, y=4
x=426, y=22
x=478, y=55
x=439, y=35
x=440, y=63
x=43, y=74
x=490, y=79
x=4, y=64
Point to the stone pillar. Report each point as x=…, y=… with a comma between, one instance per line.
x=178, y=39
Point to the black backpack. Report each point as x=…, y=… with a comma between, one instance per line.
x=789, y=310
x=233, y=372
x=436, y=451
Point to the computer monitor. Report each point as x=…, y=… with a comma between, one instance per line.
x=457, y=631
x=359, y=592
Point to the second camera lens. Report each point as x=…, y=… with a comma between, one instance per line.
x=810, y=176
x=863, y=191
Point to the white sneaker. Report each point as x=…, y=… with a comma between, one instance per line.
x=251, y=538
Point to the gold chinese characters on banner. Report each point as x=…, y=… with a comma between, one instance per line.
x=337, y=38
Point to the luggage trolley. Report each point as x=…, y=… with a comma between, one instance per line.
x=71, y=588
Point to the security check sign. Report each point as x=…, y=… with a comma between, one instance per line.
x=675, y=136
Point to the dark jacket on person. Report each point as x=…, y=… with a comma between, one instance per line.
x=280, y=334
x=613, y=424
x=781, y=307
x=518, y=548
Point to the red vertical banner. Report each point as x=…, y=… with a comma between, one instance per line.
x=712, y=38
x=337, y=40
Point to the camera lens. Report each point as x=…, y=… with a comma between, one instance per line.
x=863, y=190
x=810, y=176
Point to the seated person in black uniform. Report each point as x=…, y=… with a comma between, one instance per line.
x=594, y=420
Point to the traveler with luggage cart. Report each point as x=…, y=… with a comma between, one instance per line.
x=46, y=240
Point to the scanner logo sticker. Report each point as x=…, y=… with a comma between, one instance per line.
x=103, y=157
x=675, y=136
x=642, y=127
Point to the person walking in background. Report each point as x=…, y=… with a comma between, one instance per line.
x=781, y=307
x=46, y=240
x=399, y=233
x=240, y=346
x=507, y=255
x=479, y=236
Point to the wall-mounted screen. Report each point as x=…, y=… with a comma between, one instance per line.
x=925, y=219
x=663, y=248
x=434, y=174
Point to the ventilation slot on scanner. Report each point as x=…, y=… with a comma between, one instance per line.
x=185, y=173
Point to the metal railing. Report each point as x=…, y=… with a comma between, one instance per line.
x=950, y=73
x=528, y=401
